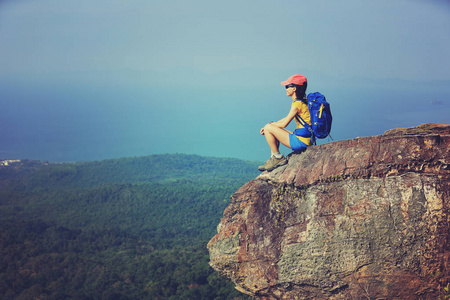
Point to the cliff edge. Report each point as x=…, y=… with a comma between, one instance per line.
x=366, y=218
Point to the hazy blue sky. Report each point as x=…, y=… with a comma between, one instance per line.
x=84, y=80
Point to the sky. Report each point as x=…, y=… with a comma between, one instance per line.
x=91, y=80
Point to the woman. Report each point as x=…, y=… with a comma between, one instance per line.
x=276, y=133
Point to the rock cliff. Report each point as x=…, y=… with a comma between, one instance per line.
x=366, y=218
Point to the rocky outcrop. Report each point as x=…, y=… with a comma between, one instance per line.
x=366, y=218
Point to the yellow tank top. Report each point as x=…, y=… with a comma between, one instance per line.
x=303, y=112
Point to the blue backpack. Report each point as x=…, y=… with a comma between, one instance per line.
x=321, y=117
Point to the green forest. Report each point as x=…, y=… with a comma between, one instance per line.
x=129, y=228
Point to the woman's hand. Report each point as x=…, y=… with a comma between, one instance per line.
x=262, y=129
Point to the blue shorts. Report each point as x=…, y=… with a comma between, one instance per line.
x=295, y=142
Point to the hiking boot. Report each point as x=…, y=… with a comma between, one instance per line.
x=273, y=163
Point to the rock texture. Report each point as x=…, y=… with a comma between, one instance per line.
x=366, y=218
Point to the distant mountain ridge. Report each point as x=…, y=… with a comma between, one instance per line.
x=152, y=168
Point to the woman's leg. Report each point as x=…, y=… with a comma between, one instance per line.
x=276, y=135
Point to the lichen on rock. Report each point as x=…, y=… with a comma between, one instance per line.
x=367, y=217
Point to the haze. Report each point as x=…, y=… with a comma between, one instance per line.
x=91, y=80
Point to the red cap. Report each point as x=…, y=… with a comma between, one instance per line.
x=295, y=79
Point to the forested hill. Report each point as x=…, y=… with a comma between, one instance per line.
x=129, y=228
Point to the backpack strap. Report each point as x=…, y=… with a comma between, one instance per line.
x=306, y=125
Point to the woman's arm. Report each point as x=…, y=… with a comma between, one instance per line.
x=283, y=123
